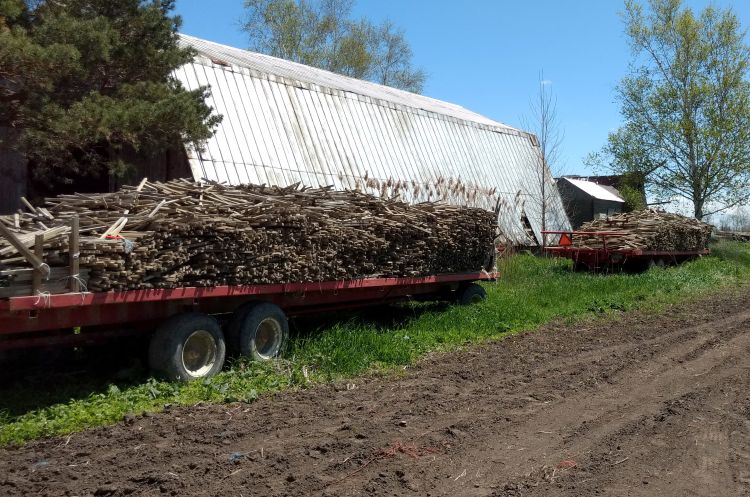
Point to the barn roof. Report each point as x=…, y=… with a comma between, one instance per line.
x=286, y=123
x=592, y=189
x=267, y=64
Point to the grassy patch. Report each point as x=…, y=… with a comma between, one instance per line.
x=532, y=291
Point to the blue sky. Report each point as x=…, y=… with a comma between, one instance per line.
x=487, y=55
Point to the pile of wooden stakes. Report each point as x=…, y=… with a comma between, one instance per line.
x=736, y=236
x=646, y=230
x=182, y=233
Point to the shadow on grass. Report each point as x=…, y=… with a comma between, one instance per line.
x=378, y=317
x=38, y=378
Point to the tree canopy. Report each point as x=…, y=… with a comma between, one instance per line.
x=321, y=33
x=686, y=105
x=82, y=81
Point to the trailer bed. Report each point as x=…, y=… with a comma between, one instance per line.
x=605, y=256
x=48, y=319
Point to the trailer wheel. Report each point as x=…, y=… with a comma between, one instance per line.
x=259, y=330
x=471, y=294
x=580, y=267
x=187, y=347
x=656, y=262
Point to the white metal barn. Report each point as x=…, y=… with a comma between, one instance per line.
x=286, y=123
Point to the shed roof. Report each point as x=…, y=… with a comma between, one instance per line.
x=597, y=191
x=286, y=123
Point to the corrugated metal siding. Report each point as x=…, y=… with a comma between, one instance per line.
x=358, y=135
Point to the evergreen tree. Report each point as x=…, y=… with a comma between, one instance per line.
x=84, y=81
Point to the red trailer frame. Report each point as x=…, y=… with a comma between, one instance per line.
x=48, y=319
x=595, y=258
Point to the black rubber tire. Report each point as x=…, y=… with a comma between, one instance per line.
x=166, y=352
x=471, y=294
x=234, y=326
x=657, y=262
x=246, y=324
x=580, y=267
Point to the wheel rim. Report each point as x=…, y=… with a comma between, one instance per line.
x=199, y=353
x=268, y=338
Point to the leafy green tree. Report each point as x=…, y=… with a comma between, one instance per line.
x=321, y=33
x=85, y=82
x=686, y=105
x=391, y=56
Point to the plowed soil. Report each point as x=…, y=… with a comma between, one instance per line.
x=633, y=405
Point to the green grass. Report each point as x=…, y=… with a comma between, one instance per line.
x=532, y=292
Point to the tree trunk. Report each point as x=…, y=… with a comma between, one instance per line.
x=544, y=211
x=698, y=207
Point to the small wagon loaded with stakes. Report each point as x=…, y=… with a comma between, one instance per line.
x=633, y=240
x=206, y=268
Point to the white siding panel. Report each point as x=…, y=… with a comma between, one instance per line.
x=377, y=161
x=250, y=127
x=303, y=162
x=240, y=107
x=418, y=165
x=293, y=157
x=306, y=142
x=214, y=146
x=315, y=130
x=264, y=122
x=402, y=167
x=349, y=169
x=283, y=127
x=368, y=154
x=327, y=134
x=279, y=160
x=350, y=140
x=233, y=160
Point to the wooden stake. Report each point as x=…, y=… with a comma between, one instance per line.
x=28, y=205
x=36, y=281
x=119, y=227
x=27, y=254
x=74, y=254
x=114, y=227
x=137, y=190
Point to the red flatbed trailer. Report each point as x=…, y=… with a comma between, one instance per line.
x=184, y=317
x=606, y=257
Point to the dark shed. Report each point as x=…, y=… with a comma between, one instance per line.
x=585, y=200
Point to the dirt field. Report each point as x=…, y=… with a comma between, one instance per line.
x=640, y=405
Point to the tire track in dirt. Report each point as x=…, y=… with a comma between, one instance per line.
x=598, y=419
x=597, y=408
x=550, y=430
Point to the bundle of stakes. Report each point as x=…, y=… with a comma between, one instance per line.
x=182, y=233
x=646, y=230
x=736, y=236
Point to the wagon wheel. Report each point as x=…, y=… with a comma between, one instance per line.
x=579, y=266
x=259, y=330
x=471, y=294
x=186, y=347
x=656, y=262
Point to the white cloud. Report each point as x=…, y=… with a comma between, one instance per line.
x=546, y=82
